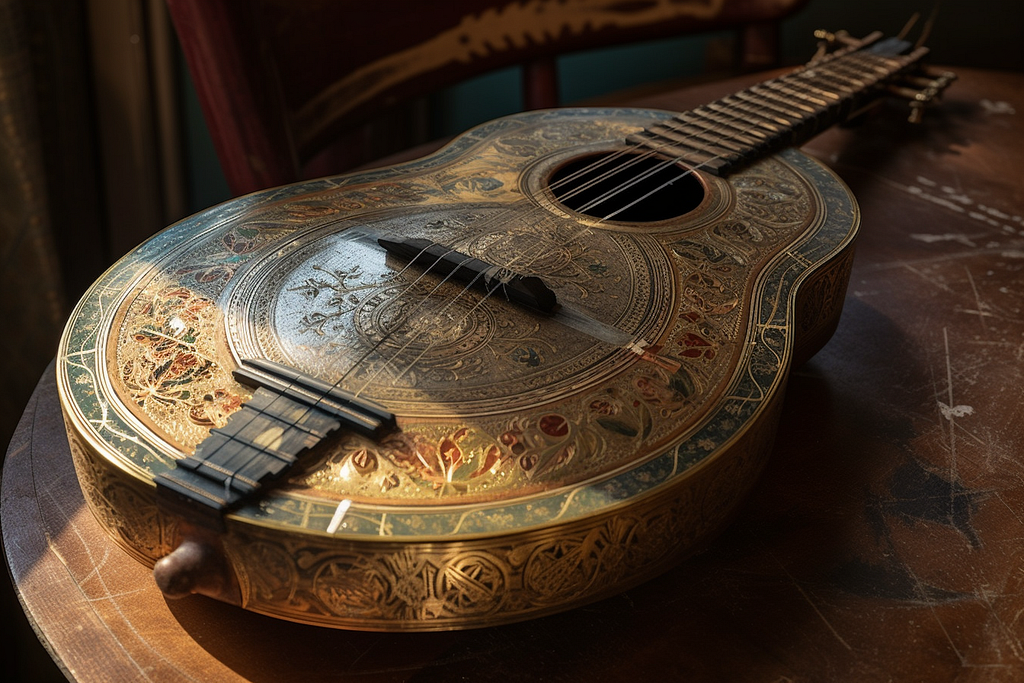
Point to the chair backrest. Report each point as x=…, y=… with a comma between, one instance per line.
x=279, y=80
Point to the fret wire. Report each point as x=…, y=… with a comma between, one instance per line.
x=234, y=454
x=782, y=102
x=769, y=117
x=870, y=63
x=807, y=103
x=831, y=109
x=739, y=117
x=858, y=76
x=833, y=73
x=749, y=136
x=821, y=82
x=772, y=109
x=779, y=101
x=809, y=99
x=694, y=133
x=862, y=61
x=791, y=129
x=744, y=114
x=717, y=112
x=700, y=145
x=813, y=94
x=749, y=144
x=745, y=135
x=690, y=132
x=239, y=446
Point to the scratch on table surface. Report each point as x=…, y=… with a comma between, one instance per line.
x=1009, y=508
x=931, y=608
x=810, y=602
x=953, y=475
x=959, y=202
x=981, y=305
x=946, y=237
x=941, y=285
x=105, y=594
x=1009, y=637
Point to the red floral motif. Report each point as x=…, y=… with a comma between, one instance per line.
x=554, y=425
x=695, y=346
x=444, y=461
x=451, y=453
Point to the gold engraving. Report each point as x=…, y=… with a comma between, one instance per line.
x=540, y=461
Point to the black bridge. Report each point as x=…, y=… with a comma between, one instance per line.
x=288, y=413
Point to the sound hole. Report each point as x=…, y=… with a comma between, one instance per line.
x=632, y=187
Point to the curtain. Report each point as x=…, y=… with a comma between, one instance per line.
x=32, y=306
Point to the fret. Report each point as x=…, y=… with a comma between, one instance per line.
x=835, y=76
x=825, y=111
x=846, y=71
x=777, y=94
x=739, y=134
x=696, y=157
x=784, y=108
x=741, y=124
x=712, y=149
x=870, y=62
x=683, y=152
x=826, y=86
x=892, y=64
x=807, y=91
x=771, y=110
x=834, y=110
x=751, y=122
x=715, y=140
x=753, y=110
x=680, y=148
x=683, y=132
x=743, y=133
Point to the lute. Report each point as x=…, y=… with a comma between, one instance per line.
x=526, y=372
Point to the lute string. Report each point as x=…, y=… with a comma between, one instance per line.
x=268, y=409
x=738, y=114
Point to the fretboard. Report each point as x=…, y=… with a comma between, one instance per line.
x=783, y=112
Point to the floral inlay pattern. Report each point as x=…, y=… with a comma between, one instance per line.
x=167, y=364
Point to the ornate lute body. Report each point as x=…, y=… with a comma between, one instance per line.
x=526, y=372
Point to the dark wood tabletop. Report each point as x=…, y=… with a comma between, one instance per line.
x=883, y=543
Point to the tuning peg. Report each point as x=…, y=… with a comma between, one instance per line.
x=922, y=90
x=828, y=41
x=838, y=38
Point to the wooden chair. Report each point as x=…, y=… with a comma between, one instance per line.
x=291, y=89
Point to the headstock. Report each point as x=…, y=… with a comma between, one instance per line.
x=916, y=84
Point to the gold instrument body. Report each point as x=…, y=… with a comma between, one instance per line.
x=541, y=461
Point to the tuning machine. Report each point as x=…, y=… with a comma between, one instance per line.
x=921, y=90
x=829, y=42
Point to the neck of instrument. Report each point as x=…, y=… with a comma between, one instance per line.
x=783, y=112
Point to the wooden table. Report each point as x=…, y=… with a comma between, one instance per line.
x=885, y=541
